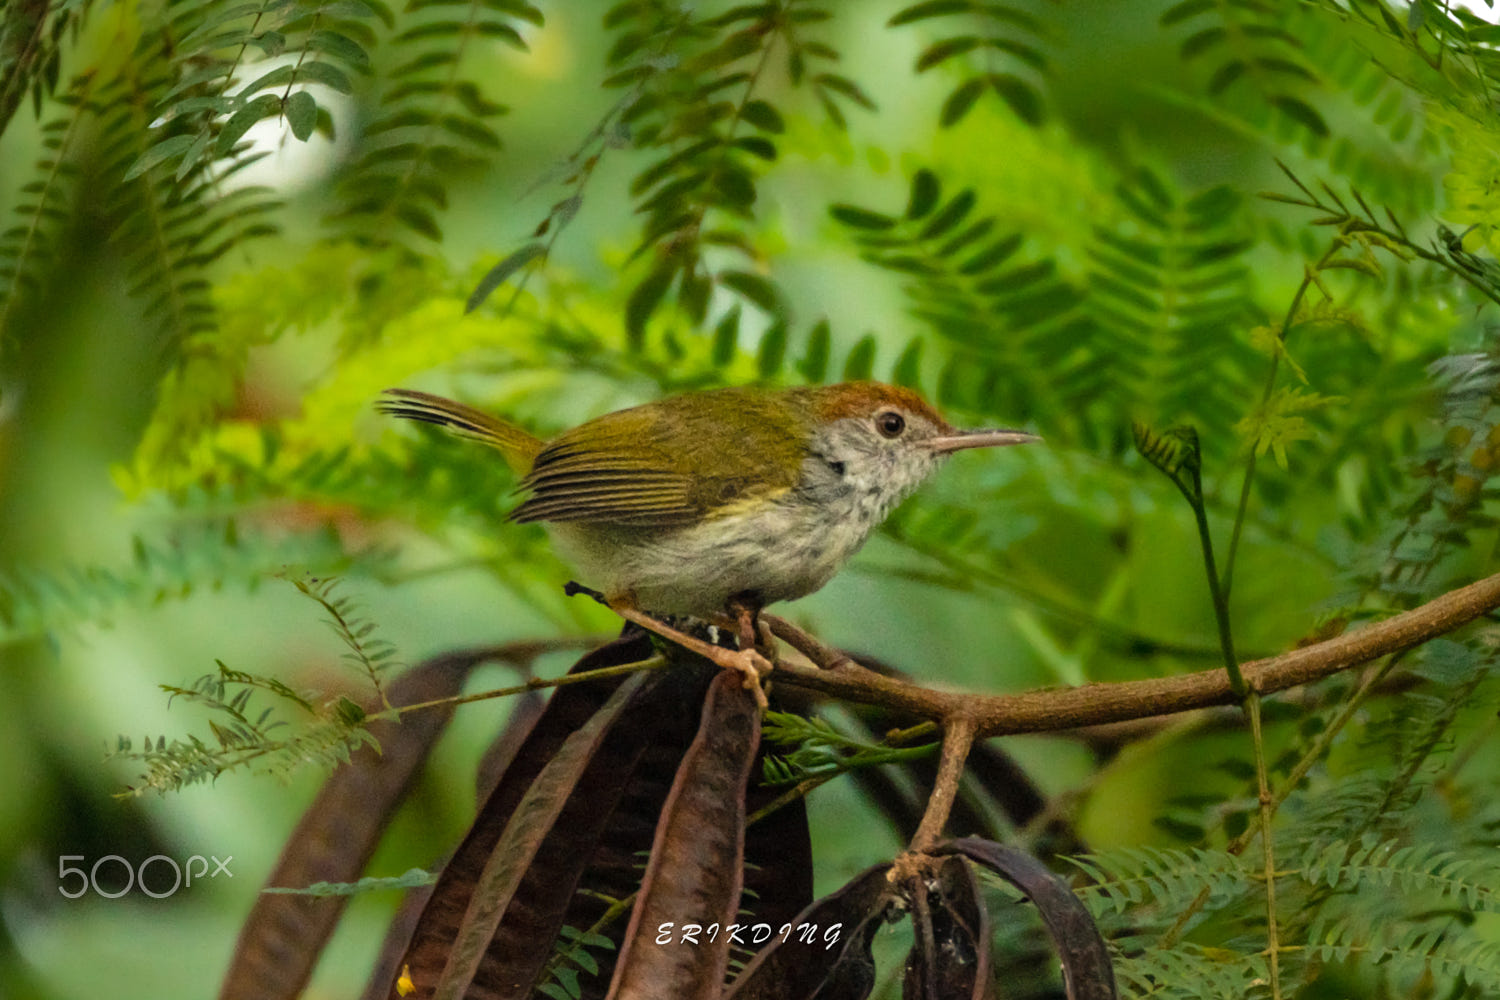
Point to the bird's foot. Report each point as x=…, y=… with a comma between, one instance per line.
x=748, y=662
x=744, y=618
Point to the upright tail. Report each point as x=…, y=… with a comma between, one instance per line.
x=519, y=446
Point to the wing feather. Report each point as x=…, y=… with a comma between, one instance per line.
x=670, y=463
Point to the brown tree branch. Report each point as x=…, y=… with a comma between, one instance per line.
x=958, y=740
x=1094, y=704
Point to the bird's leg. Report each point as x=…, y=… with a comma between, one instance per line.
x=745, y=620
x=744, y=616
x=750, y=629
x=745, y=660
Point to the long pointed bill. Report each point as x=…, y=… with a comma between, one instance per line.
x=960, y=440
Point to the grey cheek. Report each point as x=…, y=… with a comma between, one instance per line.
x=822, y=481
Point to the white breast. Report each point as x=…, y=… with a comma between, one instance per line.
x=780, y=552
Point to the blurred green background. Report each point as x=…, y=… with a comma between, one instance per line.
x=1077, y=562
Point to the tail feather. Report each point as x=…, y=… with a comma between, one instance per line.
x=519, y=446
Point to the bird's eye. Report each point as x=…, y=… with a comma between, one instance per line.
x=890, y=424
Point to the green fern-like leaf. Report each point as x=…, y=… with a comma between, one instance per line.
x=1161, y=882
x=436, y=121
x=372, y=656
x=1001, y=49
x=27, y=244
x=1003, y=321
x=1402, y=752
x=1190, y=973
x=696, y=99
x=1252, y=51
x=34, y=603
x=1428, y=870
x=1170, y=292
x=413, y=878
x=171, y=228
x=242, y=738
x=223, y=88
x=32, y=33
x=1449, y=479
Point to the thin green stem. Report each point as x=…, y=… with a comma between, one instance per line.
x=617, y=909
x=1294, y=778
x=890, y=752
x=1308, y=278
x=1221, y=604
x=535, y=684
x=1268, y=851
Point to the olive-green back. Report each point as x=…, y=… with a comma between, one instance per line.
x=674, y=462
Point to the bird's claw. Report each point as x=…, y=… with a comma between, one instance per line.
x=753, y=666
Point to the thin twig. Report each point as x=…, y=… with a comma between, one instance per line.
x=1226, y=583
x=958, y=739
x=534, y=684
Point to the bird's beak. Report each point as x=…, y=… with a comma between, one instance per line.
x=960, y=440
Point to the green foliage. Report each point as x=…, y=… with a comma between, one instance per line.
x=1175, y=452
x=324, y=734
x=823, y=750
x=434, y=121
x=36, y=603
x=1005, y=42
x=694, y=101
x=413, y=878
x=573, y=949
x=1252, y=49
x=32, y=38
x=1306, y=353
x=1166, y=288
x=371, y=655
x=208, y=109
x=1449, y=480
x=1148, y=329
x=966, y=283
x=327, y=728
x=27, y=246
x=1359, y=880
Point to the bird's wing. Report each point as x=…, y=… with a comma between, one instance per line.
x=667, y=464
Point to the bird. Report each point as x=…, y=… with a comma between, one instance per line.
x=721, y=501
